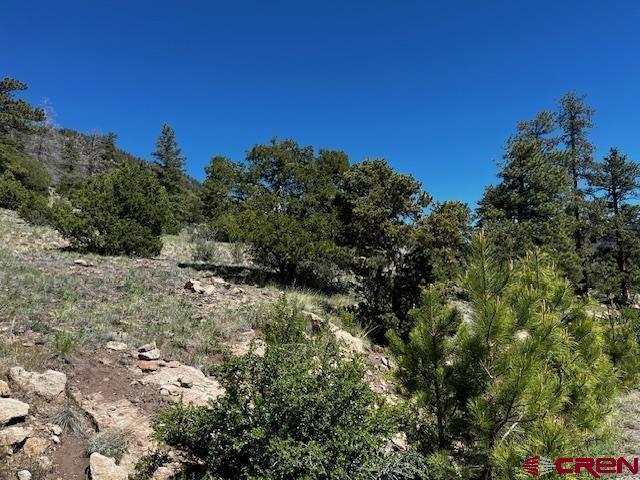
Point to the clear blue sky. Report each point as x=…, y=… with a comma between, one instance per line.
x=434, y=87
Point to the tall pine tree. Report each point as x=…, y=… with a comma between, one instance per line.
x=575, y=120
x=618, y=180
x=169, y=160
x=527, y=208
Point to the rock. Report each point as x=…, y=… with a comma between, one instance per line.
x=24, y=475
x=185, y=383
x=351, y=344
x=50, y=384
x=120, y=415
x=316, y=321
x=11, y=410
x=148, y=347
x=35, y=446
x=147, y=365
x=220, y=281
x=55, y=429
x=5, y=391
x=149, y=355
x=116, y=346
x=14, y=435
x=202, y=390
x=55, y=438
x=83, y=263
x=105, y=468
x=167, y=472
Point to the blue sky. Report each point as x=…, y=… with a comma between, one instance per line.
x=433, y=87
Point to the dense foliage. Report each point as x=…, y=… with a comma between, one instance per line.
x=298, y=411
x=528, y=370
x=112, y=213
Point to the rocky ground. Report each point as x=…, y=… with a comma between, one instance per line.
x=91, y=348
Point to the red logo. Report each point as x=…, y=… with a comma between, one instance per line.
x=596, y=467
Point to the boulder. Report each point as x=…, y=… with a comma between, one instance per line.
x=14, y=435
x=174, y=381
x=120, y=415
x=149, y=355
x=116, y=346
x=11, y=410
x=50, y=384
x=147, y=365
x=35, y=446
x=5, y=391
x=105, y=468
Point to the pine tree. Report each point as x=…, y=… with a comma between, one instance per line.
x=109, y=153
x=618, y=180
x=70, y=163
x=527, y=208
x=16, y=114
x=526, y=372
x=422, y=361
x=575, y=121
x=168, y=158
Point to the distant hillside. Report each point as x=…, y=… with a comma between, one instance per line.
x=46, y=145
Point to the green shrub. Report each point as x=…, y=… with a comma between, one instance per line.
x=119, y=213
x=12, y=192
x=29, y=172
x=299, y=411
x=35, y=209
x=111, y=443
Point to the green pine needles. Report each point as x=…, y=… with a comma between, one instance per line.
x=527, y=373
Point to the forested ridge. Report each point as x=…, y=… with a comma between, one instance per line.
x=547, y=267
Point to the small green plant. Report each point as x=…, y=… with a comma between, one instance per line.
x=69, y=420
x=63, y=343
x=111, y=443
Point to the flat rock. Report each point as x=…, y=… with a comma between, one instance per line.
x=116, y=346
x=14, y=435
x=202, y=390
x=105, y=468
x=5, y=391
x=147, y=347
x=122, y=415
x=24, y=475
x=50, y=384
x=35, y=446
x=147, y=365
x=11, y=410
x=149, y=355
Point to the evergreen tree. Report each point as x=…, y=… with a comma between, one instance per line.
x=422, y=362
x=527, y=208
x=109, y=153
x=170, y=161
x=525, y=372
x=378, y=212
x=16, y=114
x=117, y=213
x=70, y=163
x=222, y=190
x=617, y=179
x=575, y=121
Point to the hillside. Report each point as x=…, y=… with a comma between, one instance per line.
x=95, y=320
x=46, y=145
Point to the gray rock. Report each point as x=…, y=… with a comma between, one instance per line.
x=50, y=384
x=11, y=409
x=24, y=475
